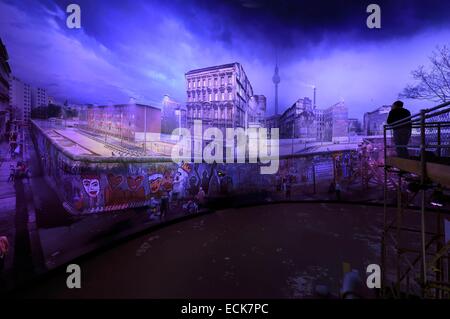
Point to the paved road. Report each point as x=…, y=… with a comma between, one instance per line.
x=7, y=211
x=272, y=251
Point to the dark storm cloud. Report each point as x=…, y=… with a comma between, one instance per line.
x=143, y=48
x=281, y=24
x=287, y=25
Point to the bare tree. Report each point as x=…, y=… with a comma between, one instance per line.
x=432, y=83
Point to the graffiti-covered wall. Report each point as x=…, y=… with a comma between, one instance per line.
x=98, y=186
x=93, y=184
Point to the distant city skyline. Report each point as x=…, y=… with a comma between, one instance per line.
x=144, y=49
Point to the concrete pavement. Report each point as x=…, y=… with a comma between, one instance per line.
x=18, y=220
x=269, y=251
x=7, y=209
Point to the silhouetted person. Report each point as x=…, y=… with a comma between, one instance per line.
x=337, y=190
x=164, y=205
x=12, y=173
x=288, y=188
x=402, y=133
x=201, y=197
x=332, y=187
x=154, y=205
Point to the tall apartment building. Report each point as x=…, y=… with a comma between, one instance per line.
x=298, y=121
x=5, y=72
x=336, y=123
x=302, y=120
x=219, y=96
x=320, y=124
x=135, y=122
x=354, y=126
x=375, y=120
x=20, y=100
x=39, y=97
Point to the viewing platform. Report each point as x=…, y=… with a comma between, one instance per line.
x=437, y=172
x=421, y=238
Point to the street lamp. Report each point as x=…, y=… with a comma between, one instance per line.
x=178, y=113
x=293, y=135
x=121, y=127
x=145, y=129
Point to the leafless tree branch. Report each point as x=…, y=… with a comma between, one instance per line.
x=433, y=83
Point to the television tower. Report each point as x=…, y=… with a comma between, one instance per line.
x=276, y=81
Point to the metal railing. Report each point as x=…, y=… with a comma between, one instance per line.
x=430, y=132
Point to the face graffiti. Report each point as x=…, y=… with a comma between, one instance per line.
x=91, y=186
x=114, y=180
x=155, y=182
x=167, y=182
x=134, y=182
x=182, y=172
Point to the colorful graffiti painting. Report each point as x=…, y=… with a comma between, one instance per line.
x=113, y=194
x=135, y=191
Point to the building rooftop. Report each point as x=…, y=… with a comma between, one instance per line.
x=272, y=117
x=384, y=109
x=123, y=105
x=210, y=68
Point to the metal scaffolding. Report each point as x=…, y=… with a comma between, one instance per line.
x=414, y=247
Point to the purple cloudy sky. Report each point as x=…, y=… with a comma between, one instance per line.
x=142, y=49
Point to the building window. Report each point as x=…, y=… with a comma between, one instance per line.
x=229, y=79
x=230, y=96
x=216, y=97
x=209, y=97
x=223, y=96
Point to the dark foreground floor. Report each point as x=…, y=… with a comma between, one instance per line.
x=272, y=251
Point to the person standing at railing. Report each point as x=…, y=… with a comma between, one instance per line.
x=402, y=132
